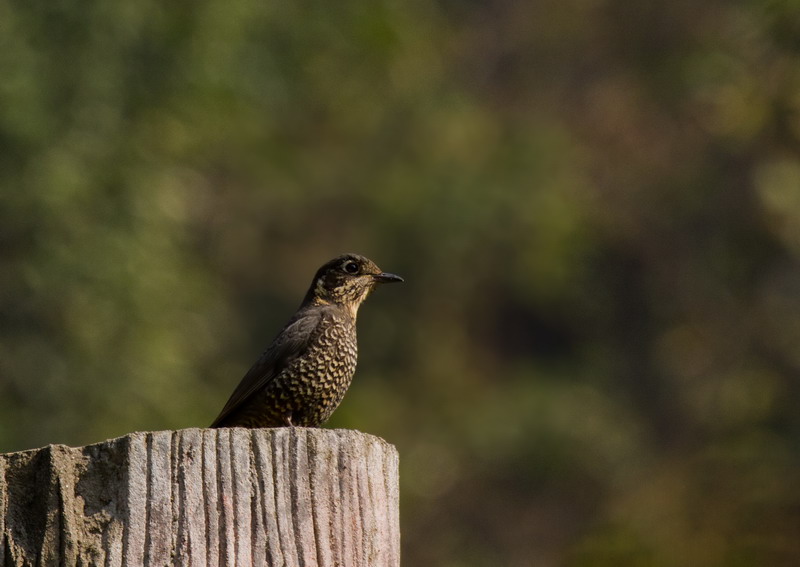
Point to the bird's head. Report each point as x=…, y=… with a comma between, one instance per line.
x=347, y=281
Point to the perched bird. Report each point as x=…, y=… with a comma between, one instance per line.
x=303, y=375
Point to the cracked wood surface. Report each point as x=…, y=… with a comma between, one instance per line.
x=204, y=497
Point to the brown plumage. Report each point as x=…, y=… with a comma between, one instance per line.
x=303, y=375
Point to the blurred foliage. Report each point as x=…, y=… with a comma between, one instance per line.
x=596, y=205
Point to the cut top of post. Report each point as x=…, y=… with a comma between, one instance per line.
x=288, y=496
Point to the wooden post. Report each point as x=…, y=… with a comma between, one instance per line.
x=212, y=497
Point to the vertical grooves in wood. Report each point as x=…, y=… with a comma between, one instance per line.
x=361, y=501
x=319, y=460
x=301, y=497
x=368, y=495
x=232, y=531
x=226, y=493
x=283, y=496
x=114, y=495
x=393, y=504
x=134, y=508
x=147, y=499
x=3, y=511
x=175, y=463
x=242, y=494
x=159, y=501
x=179, y=500
x=294, y=505
x=52, y=547
x=335, y=487
x=258, y=545
x=358, y=512
x=294, y=494
x=209, y=500
x=293, y=498
x=191, y=510
x=267, y=505
x=346, y=526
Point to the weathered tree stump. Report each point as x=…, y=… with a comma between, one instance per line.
x=305, y=497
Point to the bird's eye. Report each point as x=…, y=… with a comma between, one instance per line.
x=351, y=268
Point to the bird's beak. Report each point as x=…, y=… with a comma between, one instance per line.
x=385, y=277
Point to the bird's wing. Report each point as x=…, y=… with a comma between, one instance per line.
x=290, y=343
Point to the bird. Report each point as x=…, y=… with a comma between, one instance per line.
x=301, y=378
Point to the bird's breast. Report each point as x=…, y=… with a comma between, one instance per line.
x=331, y=357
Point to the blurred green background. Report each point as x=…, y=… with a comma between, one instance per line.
x=595, y=359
